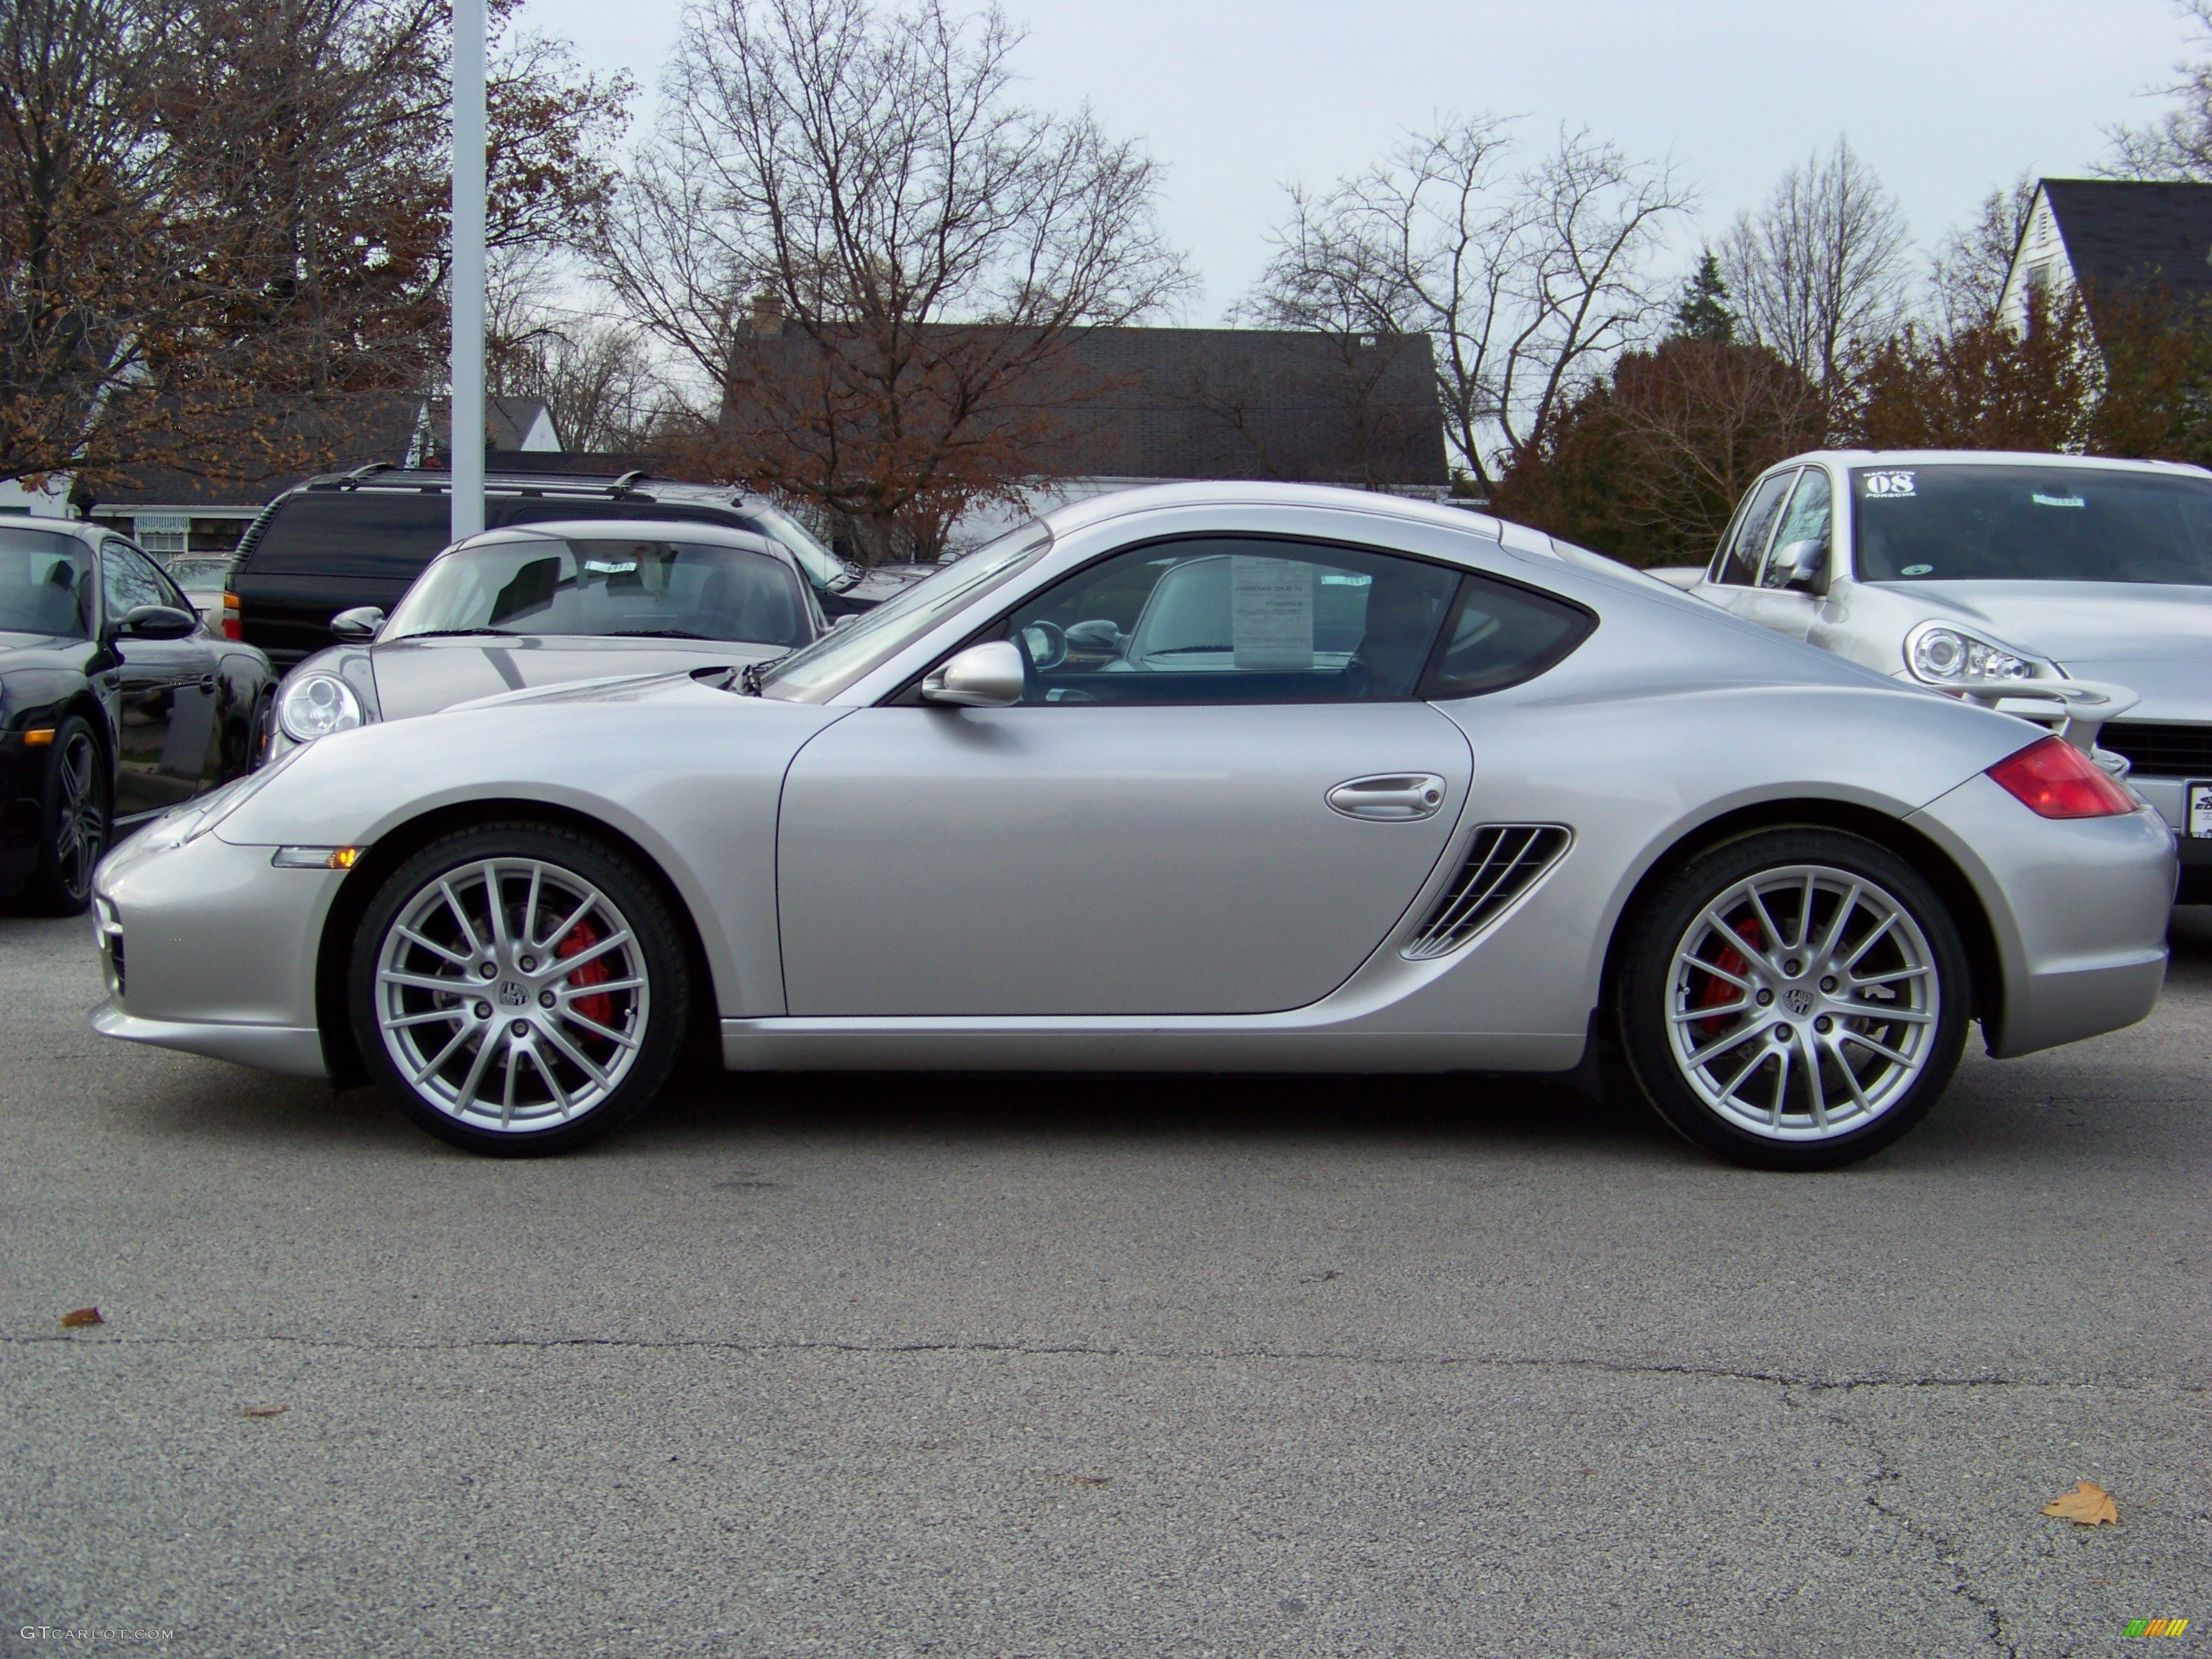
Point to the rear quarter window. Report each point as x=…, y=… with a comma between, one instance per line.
x=1499, y=635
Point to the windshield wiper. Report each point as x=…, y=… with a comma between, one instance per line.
x=749, y=677
x=659, y=634
x=460, y=633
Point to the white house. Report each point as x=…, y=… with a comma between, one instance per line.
x=2113, y=236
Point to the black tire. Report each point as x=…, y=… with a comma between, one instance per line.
x=556, y=1041
x=76, y=821
x=1785, y=1054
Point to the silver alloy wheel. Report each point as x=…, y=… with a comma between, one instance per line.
x=80, y=826
x=1802, y=1003
x=511, y=994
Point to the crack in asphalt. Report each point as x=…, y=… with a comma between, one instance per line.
x=1944, y=1550
x=1783, y=1380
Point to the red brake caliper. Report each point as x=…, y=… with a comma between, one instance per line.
x=1717, y=990
x=599, y=1009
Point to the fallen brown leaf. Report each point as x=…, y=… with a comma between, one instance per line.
x=1090, y=1480
x=266, y=1411
x=76, y=1317
x=2086, y=1505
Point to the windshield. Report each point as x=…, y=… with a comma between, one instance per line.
x=844, y=654
x=606, y=586
x=816, y=560
x=45, y=584
x=2072, y=524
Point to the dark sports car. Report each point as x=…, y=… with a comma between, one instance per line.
x=116, y=703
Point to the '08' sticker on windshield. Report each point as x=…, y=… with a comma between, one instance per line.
x=1887, y=485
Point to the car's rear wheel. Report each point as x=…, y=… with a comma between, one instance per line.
x=75, y=816
x=1795, y=999
x=519, y=989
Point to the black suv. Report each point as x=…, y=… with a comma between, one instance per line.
x=360, y=538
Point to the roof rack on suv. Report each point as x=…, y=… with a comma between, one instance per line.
x=350, y=480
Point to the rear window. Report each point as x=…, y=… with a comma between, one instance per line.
x=363, y=534
x=389, y=536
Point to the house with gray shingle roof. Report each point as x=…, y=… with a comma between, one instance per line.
x=2111, y=237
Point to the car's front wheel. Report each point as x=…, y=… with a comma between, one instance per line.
x=76, y=821
x=519, y=989
x=1794, y=1000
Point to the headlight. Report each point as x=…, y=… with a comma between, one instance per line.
x=316, y=705
x=1941, y=654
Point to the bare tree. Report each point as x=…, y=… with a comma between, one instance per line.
x=220, y=220
x=872, y=256
x=1824, y=263
x=1967, y=274
x=2176, y=145
x=597, y=378
x=1526, y=279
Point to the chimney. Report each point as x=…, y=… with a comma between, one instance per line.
x=768, y=313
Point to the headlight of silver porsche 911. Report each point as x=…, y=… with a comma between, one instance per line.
x=1943, y=653
x=315, y=705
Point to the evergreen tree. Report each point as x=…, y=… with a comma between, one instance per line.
x=1704, y=312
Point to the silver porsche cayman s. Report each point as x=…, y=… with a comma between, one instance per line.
x=1207, y=776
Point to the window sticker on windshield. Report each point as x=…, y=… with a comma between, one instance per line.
x=1918, y=570
x=609, y=568
x=2042, y=500
x=1886, y=485
x=1271, y=614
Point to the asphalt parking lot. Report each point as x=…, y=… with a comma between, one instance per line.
x=1047, y=1366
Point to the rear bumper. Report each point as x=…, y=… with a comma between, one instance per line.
x=2170, y=796
x=2078, y=912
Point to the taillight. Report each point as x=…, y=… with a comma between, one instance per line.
x=232, y=626
x=2054, y=779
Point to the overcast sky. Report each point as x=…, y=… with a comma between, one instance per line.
x=1947, y=99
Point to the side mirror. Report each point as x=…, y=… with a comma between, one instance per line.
x=157, y=621
x=987, y=676
x=1799, y=567
x=358, y=625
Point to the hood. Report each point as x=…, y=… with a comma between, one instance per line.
x=2104, y=622
x=420, y=677
x=37, y=647
x=2153, y=638
x=879, y=582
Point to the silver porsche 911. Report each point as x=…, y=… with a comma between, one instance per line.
x=1207, y=776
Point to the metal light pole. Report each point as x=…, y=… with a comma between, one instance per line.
x=468, y=267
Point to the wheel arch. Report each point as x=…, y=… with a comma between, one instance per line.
x=1984, y=964
x=396, y=846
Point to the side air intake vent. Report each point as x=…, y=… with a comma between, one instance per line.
x=1505, y=862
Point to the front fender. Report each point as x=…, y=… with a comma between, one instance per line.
x=693, y=776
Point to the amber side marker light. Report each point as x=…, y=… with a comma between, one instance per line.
x=2054, y=779
x=233, y=625
x=316, y=858
x=38, y=735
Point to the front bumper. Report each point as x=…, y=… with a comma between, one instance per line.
x=2078, y=910
x=216, y=949
x=290, y=1050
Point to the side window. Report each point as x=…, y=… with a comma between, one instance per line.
x=1806, y=520
x=1739, y=567
x=1227, y=619
x=1500, y=635
x=128, y=580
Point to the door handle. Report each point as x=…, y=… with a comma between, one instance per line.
x=1390, y=797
